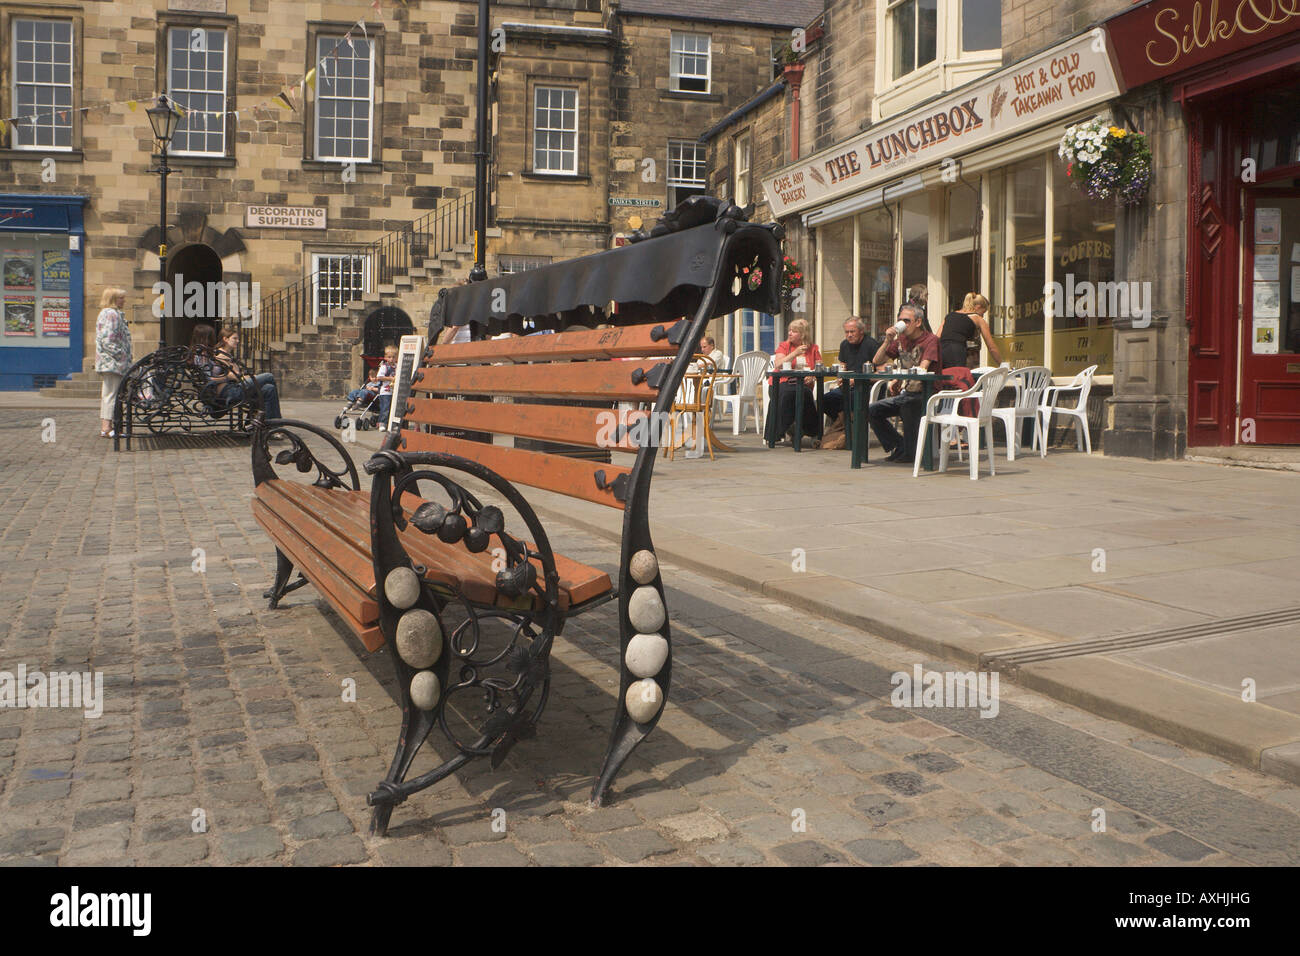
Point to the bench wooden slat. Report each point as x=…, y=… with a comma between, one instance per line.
x=567, y=424
x=449, y=564
x=567, y=476
x=631, y=341
x=604, y=380
x=358, y=610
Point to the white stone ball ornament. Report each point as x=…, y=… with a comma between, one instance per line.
x=425, y=690
x=402, y=588
x=643, y=567
x=419, y=638
x=645, y=610
x=646, y=654
x=643, y=700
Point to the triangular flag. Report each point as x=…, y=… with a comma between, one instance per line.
x=362, y=25
x=310, y=79
x=179, y=110
x=3, y=127
x=63, y=115
x=283, y=100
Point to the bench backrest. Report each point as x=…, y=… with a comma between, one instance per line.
x=581, y=388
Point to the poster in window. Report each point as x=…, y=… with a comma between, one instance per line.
x=56, y=317
x=1295, y=283
x=20, y=314
x=1264, y=337
x=20, y=270
x=55, y=274
x=1266, y=265
x=1268, y=300
x=1268, y=224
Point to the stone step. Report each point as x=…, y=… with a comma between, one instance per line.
x=73, y=391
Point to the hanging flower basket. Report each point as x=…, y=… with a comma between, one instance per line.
x=1107, y=161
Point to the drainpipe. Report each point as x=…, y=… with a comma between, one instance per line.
x=793, y=73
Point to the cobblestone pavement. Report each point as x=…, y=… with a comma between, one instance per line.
x=225, y=738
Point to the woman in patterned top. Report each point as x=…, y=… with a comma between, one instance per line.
x=112, y=353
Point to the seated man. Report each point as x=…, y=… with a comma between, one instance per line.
x=856, y=353
x=914, y=348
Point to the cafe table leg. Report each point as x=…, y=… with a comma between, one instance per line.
x=859, y=426
x=798, y=415
x=773, y=414
x=847, y=387
x=821, y=403
x=932, y=435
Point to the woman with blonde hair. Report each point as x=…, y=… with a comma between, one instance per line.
x=112, y=353
x=798, y=351
x=959, y=327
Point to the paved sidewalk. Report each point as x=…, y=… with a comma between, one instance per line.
x=225, y=739
x=1054, y=551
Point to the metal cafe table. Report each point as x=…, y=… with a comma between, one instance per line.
x=855, y=422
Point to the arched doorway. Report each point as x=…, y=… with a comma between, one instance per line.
x=199, y=263
x=384, y=326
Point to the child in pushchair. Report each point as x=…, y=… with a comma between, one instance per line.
x=363, y=405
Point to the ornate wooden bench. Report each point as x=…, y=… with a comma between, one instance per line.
x=169, y=391
x=424, y=562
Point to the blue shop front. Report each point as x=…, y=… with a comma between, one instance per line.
x=42, y=294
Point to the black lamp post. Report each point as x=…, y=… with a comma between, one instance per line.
x=164, y=120
x=479, y=273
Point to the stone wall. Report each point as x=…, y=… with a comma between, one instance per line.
x=1032, y=25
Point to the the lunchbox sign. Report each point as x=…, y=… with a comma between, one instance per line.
x=285, y=217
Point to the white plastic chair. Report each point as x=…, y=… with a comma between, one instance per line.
x=1081, y=384
x=941, y=412
x=749, y=366
x=1030, y=384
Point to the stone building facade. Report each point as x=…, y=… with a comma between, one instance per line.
x=304, y=198
x=1001, y=215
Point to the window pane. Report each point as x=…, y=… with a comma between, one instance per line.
x=876, y=271
x=43, y=83
x=981, y=25
x=343, y=99
x=1018, y=323
x=1084, y=252
x=904, y=28
x=926, y=24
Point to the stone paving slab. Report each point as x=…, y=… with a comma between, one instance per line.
x=226, y=738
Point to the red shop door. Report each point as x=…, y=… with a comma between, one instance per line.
x=1270, y=343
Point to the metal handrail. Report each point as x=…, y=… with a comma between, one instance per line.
x=388, y=257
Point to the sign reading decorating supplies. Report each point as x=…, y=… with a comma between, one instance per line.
x=1060, y=81
x=285, y=217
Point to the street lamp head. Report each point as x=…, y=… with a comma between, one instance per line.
x=164, y=119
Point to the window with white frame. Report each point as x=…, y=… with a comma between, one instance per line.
x=913, y=30
x=196, y=81
x=42, y=77
x=555, y=130
x=741, y=166
x=686, y=165
x=345, y=83
x=339, y=280
x=689, y=62
x=509, y=265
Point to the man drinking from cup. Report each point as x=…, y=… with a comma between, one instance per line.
x=915, y=349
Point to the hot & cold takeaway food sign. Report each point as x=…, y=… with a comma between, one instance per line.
x=1057, y=82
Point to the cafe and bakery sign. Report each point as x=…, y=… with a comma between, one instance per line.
x=1059, y=81
x=1163, y=37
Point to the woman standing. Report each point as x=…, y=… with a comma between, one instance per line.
x=112, y=353
x=957, y=328
x=798, y=351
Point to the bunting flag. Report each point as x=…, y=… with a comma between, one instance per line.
x=284, y=100
x=179, y=110
x=131, y=105
x=310, y=79
x=3, y=127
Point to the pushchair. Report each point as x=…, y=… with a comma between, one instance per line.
x=364, y=412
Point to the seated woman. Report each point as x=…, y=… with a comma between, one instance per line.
x=233, y=383
x=798, y=351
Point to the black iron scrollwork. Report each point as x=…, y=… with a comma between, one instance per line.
x=299, y=455
x=173, y=390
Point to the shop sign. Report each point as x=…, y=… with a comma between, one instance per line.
x=1169, y=36
x=285, y=217
x=1060, y=81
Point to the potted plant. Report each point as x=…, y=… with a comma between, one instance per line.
x=1107, y=161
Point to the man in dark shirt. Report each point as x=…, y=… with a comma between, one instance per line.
x=856, y=352
x=914, y=347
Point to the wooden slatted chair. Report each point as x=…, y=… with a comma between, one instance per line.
x=422, y=548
